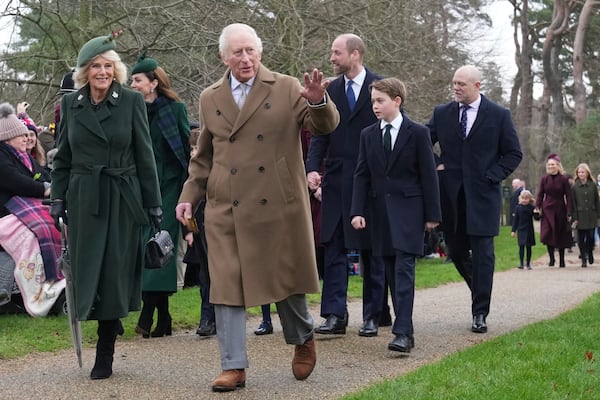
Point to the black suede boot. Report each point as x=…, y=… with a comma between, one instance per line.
x=105, y=349
x=561, y=258
x=163, y=325
x=551, y=254
x=145, y=321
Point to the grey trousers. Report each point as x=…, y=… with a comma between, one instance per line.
x=296, y=321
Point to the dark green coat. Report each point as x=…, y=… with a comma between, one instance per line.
x=171, y=176
x=105, y=170
x=586, y=204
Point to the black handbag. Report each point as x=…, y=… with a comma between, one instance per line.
x=159, y=250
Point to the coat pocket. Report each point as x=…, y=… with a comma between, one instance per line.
x=285, y=180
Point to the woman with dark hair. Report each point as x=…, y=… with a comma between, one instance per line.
x=170, y=133
x=554, y=205
x=105, y=176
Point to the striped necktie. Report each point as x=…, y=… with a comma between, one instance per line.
x=463, y=119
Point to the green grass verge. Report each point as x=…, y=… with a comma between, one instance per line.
x=548, y=360
x=21, y=334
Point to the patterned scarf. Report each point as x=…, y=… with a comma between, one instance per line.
x=167, y=123
x=37, y=218
x=23, y=157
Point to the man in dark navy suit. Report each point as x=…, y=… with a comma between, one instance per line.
x=339, y=150
x=479, y=147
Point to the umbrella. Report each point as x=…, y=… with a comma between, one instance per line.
x=64, y=262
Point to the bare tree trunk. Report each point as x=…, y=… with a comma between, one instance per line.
x=522, y=93
x=553, y=79
x=579, y=93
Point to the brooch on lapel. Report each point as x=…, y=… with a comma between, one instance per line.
x=115, y=95
x=80, y=97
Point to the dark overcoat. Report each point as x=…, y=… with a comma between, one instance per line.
x=555, y=203
x=17, y=179
x=401, y=193
x=171, y=176
x=522, y=224
x=478, y=164
x=105, y=170
x=586, y=204
x=249, y=164
x=339, y=151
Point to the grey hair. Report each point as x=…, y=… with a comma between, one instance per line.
x=235, y=28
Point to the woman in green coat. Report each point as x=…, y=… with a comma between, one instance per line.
x=586, y=211
x=170, y=133
x=105, y=176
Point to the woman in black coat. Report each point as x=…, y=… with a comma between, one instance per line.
x=18, y=179
x=21, y=176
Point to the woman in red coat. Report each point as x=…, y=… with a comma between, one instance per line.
x=554, y=202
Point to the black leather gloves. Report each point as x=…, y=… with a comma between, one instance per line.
x=155, y=214
x=58, y=210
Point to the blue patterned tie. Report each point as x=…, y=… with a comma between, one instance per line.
x=463, y=119
x=387, y=140
x=350, y=95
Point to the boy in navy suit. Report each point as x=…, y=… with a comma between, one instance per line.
x=396, y=180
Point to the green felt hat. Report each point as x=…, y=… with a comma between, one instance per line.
x=95, y=47
x=144, y=64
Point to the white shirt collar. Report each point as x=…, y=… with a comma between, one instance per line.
x=474, y=105
x=235, y=83
x=358, y=79
x=396, y=123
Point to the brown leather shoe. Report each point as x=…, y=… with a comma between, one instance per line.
x=229, y=380
x=305, y=358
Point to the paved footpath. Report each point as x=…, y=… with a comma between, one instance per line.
x=182, y=366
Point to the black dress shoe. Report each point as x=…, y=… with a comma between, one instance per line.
x=265, y=328
x=207, y=328
x=368, y=329
x=479, y=325
x=402, y=343
x=333, y=325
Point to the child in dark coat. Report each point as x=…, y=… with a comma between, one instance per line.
x=523, y=227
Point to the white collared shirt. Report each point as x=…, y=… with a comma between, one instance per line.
x=236, y=89
x=357, y=82
x=471, y=113
x=396, y=123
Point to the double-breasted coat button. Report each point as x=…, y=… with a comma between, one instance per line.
x=233, y=171
x=260, y=137
x=263, y=201
x=261, y=169
x=232, y=139
x=236, y=203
